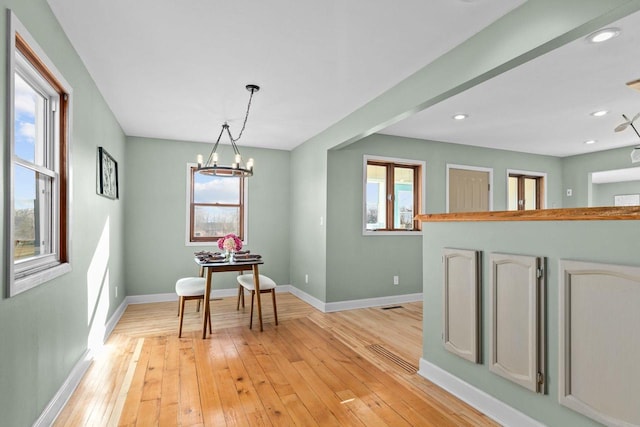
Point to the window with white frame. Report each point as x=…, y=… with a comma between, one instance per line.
x=392, y=194
x=38, y=105
x=216, y=206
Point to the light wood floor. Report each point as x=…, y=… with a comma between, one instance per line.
x=351, y=368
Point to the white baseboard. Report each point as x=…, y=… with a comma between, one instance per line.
x=55, y=405
x=311, y=300
x=371, y=302
x=485, y=403
x=327, y=307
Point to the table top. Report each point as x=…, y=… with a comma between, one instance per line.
x=229, y=265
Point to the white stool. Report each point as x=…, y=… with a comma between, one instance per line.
x=189, y=288
x=266, y=285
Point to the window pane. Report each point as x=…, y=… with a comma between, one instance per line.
x=403, y=198
x=29, y=128
x=216, y=189
x=214, y=221
x=376, y=197
x=530, y=193
x=513, y=193
x=32, y=213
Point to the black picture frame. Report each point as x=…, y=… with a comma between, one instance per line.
x=107, y=178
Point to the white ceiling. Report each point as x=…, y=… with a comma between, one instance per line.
x=544, y=106
x=177, y=69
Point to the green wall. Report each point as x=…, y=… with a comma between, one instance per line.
x=613, y=242
x=308, y=218
x=577, y=172
x=536, y=27
x=603, y=194
x=155, y=231
x=363, y=266
x=44, y=331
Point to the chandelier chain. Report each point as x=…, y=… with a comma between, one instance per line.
x=246, y=116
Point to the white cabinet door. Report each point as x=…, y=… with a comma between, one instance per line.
x=461, y=309
x=599, y=319
x=516, y=306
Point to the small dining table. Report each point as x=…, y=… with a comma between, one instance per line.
x=218, y=267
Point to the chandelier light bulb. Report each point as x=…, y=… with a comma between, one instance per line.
x=237, y=168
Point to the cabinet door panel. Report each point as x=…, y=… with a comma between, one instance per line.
x=516, y=334
x=599, y=318
x=461, y=305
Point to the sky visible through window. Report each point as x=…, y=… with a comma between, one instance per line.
x=208, y=189
x=26, y=100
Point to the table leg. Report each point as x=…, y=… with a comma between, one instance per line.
x=205, y=311
x=256, y=283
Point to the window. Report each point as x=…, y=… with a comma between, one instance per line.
x=392, y=195
x=216, y=206
x=38, y=180
x=526, y=192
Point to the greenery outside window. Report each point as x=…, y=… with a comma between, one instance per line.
x=216, y=207
x=37, y=187
x=392, y=194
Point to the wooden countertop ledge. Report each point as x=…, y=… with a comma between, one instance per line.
x=570, y=214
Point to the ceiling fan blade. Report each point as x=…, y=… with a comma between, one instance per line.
x=622, y=127
x=634, y=118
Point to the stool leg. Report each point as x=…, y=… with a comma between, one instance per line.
x=239, y=296
x=275, y=309
x=181, y=316
x=209, y=318
x=253, y=293
x=198, y=307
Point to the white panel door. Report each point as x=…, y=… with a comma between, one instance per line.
x=468, y=190
x=461, y=307
x=516, y=334
x=599, y=319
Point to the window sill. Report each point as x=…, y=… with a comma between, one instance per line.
x=368, y=233
x=31, y=281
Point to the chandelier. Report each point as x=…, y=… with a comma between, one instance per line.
x=238, y=167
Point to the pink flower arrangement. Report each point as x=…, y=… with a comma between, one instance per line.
x=230, y=243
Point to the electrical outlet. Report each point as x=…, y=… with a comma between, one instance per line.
x=116, y=292
x=306, y=278
x=569, y=192
x=396, y=280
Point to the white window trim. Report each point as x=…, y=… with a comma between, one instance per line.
x=245, y=200
x=530, y=173
x=470, y=168
x=423, y=174
x=48, y=272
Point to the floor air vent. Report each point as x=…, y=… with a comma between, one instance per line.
x=397, y=360
x=392, y=307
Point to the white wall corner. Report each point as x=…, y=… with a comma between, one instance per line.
x=483, y=402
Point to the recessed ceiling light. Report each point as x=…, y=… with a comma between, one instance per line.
x=603, y=35
x=600, y=113
x=591, y=141
x=460, y=116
